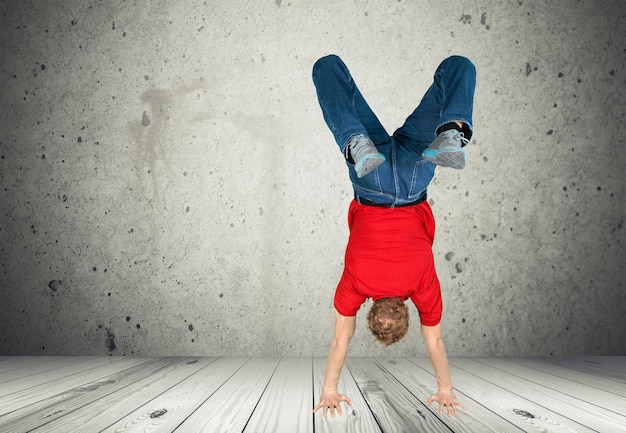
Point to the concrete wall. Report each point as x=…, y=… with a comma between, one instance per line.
x=168, y=185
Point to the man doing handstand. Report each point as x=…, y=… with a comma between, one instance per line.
x=389, y=253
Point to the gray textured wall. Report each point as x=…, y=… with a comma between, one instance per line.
x=168, y=185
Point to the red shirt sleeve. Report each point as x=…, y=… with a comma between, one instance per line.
x=428, y=303
x=348, y=300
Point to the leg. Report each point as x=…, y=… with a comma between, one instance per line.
x=449, y=99
x=345, y=111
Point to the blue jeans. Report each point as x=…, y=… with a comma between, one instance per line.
x=405, y=175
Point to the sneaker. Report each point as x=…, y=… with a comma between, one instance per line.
x=366, y=157
x=447, y=150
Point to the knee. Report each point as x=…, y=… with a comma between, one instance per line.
x=326, y=62
x=460, y=62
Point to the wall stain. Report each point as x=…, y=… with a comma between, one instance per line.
x=54, y=285
x=466, y=19
x=483, y=20
x=109, y=342
x=150, y=134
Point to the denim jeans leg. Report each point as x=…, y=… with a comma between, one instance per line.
x=345, y=110
x=449, y=98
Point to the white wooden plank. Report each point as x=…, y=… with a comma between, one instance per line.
x=8, y=360
x=589, y=415
x=611, y=363
x=287, y=403
x=530, y=394
x=55, y=387
x=13, y=373
x=396, y=409
x=64, y=367
x=230, y=407
x=357, y=418
x=109, y=409
x=175, y=405
x=27, y=417
x=422, y=384
x=599, y=366
x=10, y=363
x=521, y=412
x=588, y=394
x=540, y=363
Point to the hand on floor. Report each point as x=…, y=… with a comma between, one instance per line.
x=332, y=401
x=447, y=400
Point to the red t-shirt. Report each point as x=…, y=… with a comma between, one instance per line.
x=389, y=254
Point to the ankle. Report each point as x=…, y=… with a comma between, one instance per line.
x=458, y=126
x=352, y=142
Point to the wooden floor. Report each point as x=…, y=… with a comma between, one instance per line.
x=274, y=395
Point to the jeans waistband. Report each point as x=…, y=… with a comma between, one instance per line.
x=367, y=202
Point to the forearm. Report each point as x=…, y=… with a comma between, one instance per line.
x=336, y=359
x=438, y=359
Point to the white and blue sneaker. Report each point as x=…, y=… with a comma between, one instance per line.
x=447, y=150
x=365, y=155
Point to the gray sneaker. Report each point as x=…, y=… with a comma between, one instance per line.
x=447, y=150
x=366, y=157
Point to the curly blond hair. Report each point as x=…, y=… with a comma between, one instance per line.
x=388, y=320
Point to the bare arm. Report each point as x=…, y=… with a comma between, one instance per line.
x=330, y=398
x=439, y=360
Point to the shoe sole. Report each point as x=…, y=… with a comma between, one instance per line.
x=369, y=163
x=451, y=158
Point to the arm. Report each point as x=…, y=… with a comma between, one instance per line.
x=330, y=398
x=437, y=354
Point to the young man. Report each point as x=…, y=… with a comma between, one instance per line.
x=389, y=254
